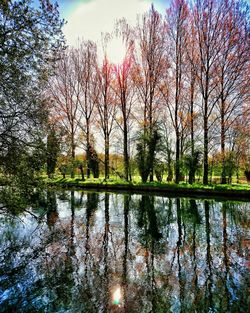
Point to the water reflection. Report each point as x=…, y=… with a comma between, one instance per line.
x=104, y=252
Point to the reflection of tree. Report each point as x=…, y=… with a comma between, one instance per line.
x=71, y=246
x=60, y=278
x=226, y=299
x=150, y=236
x=51, y=279
x=169, y=215
x=209, y=280
x=179, y=244
x=63, y=195
x=147, y=219
x=91, y=207
x=79, y=201
x=59, y=275
x=52, y=214
x=105, y=244
x=87, y=287
x=196, y=220
x=238, y=214
x=126, y=201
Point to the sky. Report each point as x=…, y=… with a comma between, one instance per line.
x=87, y=19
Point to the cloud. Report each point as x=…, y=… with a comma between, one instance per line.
x=89, y=19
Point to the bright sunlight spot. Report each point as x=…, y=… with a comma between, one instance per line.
x=116, y=51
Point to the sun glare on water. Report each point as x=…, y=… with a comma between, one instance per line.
x=117, y=295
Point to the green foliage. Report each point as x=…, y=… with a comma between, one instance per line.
x=192, y=163
x=53, y=149
x=22, y=191
x=147, y=146
x=29, y=41
x=22, y=163
x=159, y=171
x=63, y=170
x=147, y=219
x=230, y=166
x=22, y=169
x=80, y=165
x=91, y=203
x=12, y=199
x=93, y=162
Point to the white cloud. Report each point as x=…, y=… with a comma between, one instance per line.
x=89, y=19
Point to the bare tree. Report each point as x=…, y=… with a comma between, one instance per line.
x=233, y=81
x=192, y=95
x=124, y=89
x=106, y=107
x=208, y=15
x=85, y=63
x=64, y=93
x=177, y=19
x=149, y=63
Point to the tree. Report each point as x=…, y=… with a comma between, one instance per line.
x=233, y=69
x=147, y=148
x=29, y=41
x=53, y=149
x=85, y=63
x=240, y=140
x=64, y=94
x=191, y=79
x=149, y=68
x=192, y=164
x=207, y=20
x=124, y=89
x=106, y=108
x=93, y=160
x=177, y=18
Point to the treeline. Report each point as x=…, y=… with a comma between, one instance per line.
x=179, y=98
x=177, y=104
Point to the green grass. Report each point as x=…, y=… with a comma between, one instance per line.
x=113, y=181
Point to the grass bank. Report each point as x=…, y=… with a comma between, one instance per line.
x=236, y=191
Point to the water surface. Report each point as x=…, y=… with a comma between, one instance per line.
x=101, y=252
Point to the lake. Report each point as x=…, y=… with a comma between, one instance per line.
x=110, y=252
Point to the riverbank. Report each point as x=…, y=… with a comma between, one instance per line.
x=234, y=191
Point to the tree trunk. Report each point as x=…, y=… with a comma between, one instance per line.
x=176, y=126
x=125, y=151
x=205, y=147
x=205, y=151
x=82, y=173
x=88, y=156
x=177, y=159
x=223, y=173
x=72, y=174
x=151, y=173
x=106, y=160
x=191, y=178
